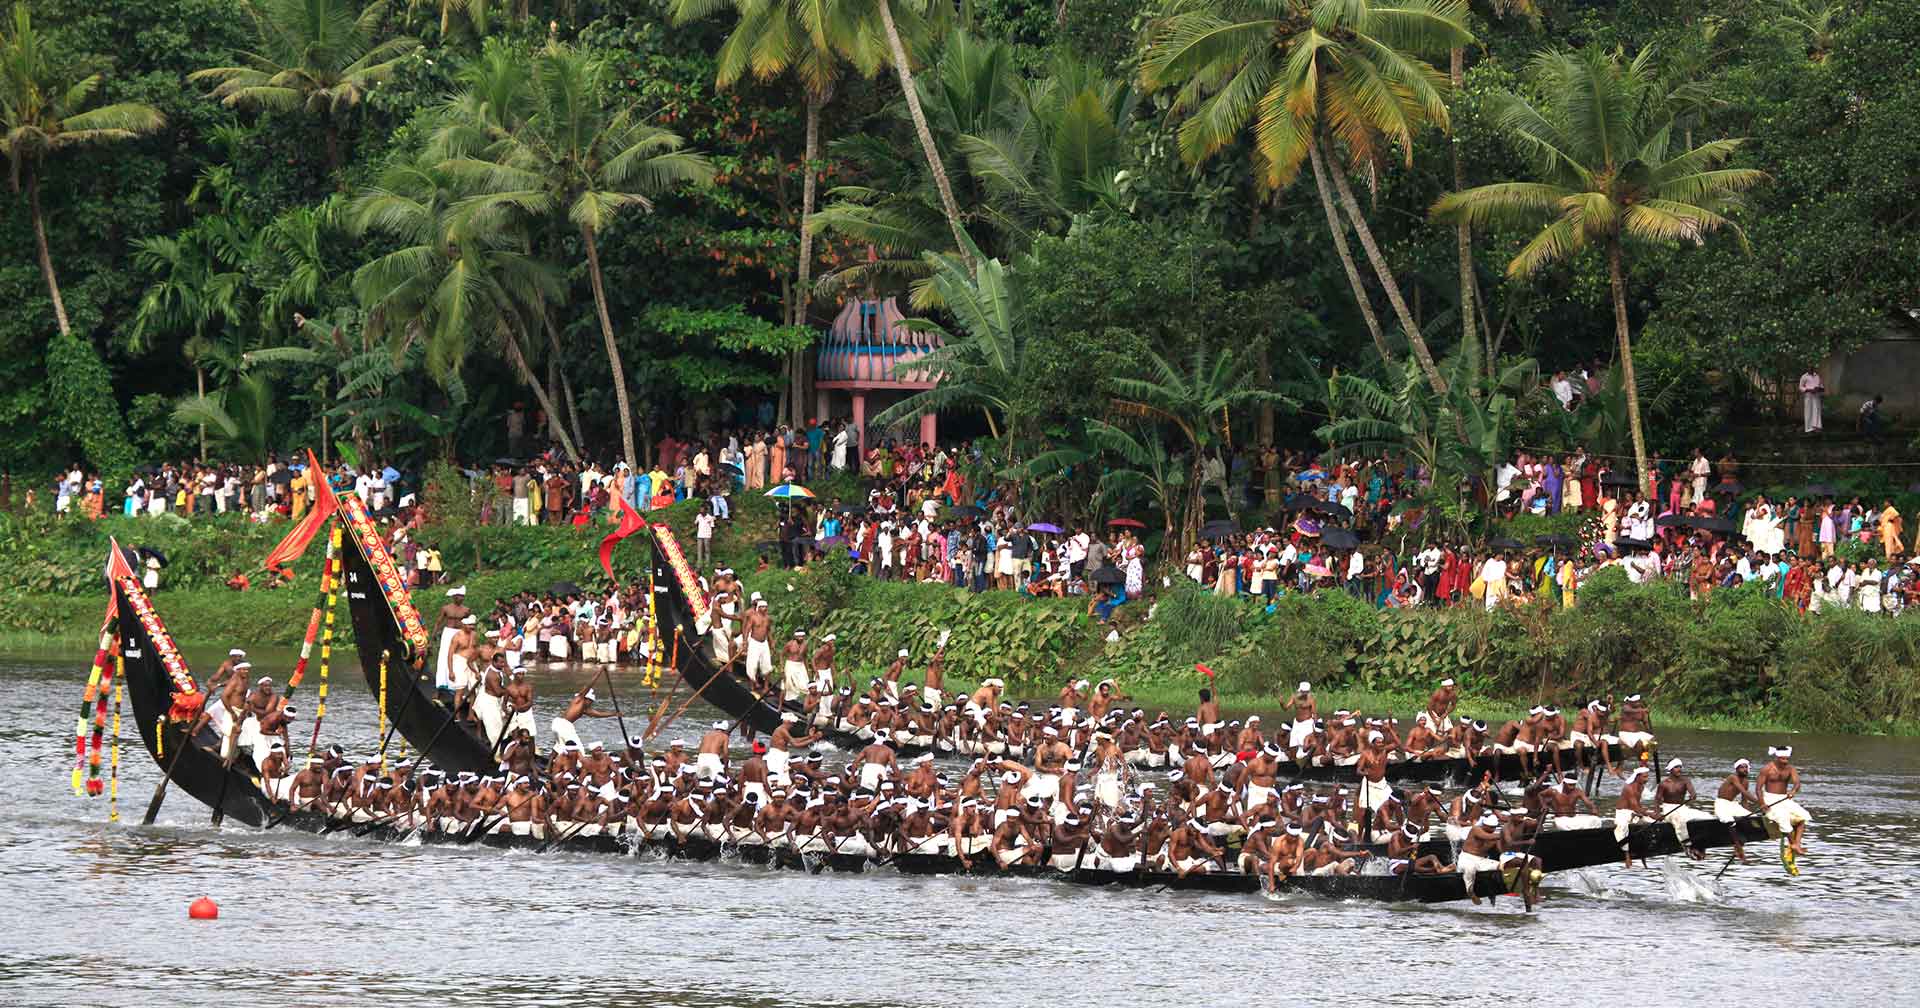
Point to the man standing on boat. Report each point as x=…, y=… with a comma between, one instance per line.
x=564, y=729
x=1636, y=724
x=1735, y=797
x=1303, y=716
x=452, y=616
x=1676, y=795
x=1779, y=786
x=793, y=673
x=1631, y=809
x=757, y=631
x=1440, y=706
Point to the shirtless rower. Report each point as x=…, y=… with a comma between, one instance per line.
x=1440, y=706
x=1565, y=802
x=1190, y=849
x=1020, y=838
x=711, y=761
x=1590, y=731
x=780, y=746
x=1778, y=787
x=823, y=666
x=1403, y=845
x=490, y=698
x=757, y=630
x=1636, y=725
x=564, y=728
x=1632, y=808
x=1374, y=791
x=1304, y=713
x=1477, y=852
x=452, y=619
x=793, y=669
x=890, y=676
x=1676, y=795
x=463, y=666
x=877, y=763
x=1735, y=797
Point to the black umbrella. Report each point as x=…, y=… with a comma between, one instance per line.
x=1618, y=479
x=967, y=509
x=1339, y=538
x=1556, y=541
x=1331, y=509
x=1674, y=521
x=1728, y=487
x=1505, y=543
x=563, y=588
x=1219, y=530
x=855, y=509
x=281, y=477
x=1301, y=501
x=506, y=462
x=1721, y=525
x=1625, y=542
x=1109, y=575
x=1821, y=490
x=154, y=553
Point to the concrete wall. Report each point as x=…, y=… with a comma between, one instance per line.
x=1889, y=366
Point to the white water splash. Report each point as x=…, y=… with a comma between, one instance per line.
x=1587, y=883
x=1683, y=886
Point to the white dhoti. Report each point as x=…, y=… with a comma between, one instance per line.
x=492, y=712
x=793, y=681
x=564, y=731
x=929, y=695
x=871, y=774
x=220, y=719
x=1635, y=739
x=1580, y=738
x=1299, y=733
x=1259, y=794
x=1623, y=818
x=756, y=789
x=1727, y=810
x=1680, y=815
x=1010, y=855
x=779, y=761
x=1785, y=812
x=823, y=681
x=250, y=739
x=1373, y=794
x=1067, y=862
x=443, y=667
x=1106, y=790
x=722, y=645
x=709, y=765
x=1044, y=786
x=522, y=719
x=460, y=673
x=1191, y=864
x=1576, y=822
x=1471, y=865
x=558, y=648
x=759, y=659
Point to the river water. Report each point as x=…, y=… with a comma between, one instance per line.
x=310, y=920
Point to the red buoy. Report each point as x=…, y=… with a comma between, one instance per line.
x=203, y=909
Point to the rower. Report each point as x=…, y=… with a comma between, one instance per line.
x=490, y=700
x=453, y=617
x=1631, y=809
x=1675, y=792
x=519, y=704
x=780, y=746
x=823, y=665
x=1590, y=731
x=890, y=676
x=1017, y=840
x=1565, y=802
x=793, y=669
x=1440, y=705
x=1636, y=724
x=756, y=631
x=1403, y=853
x=1732, y=802
x=876, y=762
x=711, y=761
x=1778, y=787
x=462, y=666
x=1189, y=848
x=564, y=728
x=935, y=678
x=1304, y=712
x=1477, y=850
x=1372, y=768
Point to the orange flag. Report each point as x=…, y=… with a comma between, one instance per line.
x=324, y=505
x=630, y=522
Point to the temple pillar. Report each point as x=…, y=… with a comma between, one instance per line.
x=860, y=425
x=929, y=429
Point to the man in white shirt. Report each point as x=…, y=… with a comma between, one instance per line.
x=1356, y=566
x=1503, y=475
x=842, y=438
x=1493, y=577
x=703, y=536
x=1077, y=554
x=1812, y=389
x=1563, y=390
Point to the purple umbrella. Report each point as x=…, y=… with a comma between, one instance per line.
x=1044, y=527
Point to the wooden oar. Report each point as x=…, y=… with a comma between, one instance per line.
x=226, y=777
x=721, y=671
x=160, y=789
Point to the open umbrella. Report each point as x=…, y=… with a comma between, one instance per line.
x=1618, y=479
x=1505, y=543
x=281, y=477
x=1331, y=509
x=1674, y=521
x=563, y=588
x=1556, y=541
x=506, y=462
x=787, y=491
x=1109, y=575
x=1219, y=530
x=972, y=510
x=1627, y=543
x=1127, y=523
x=1339, y=538
x=1306, y=526
x=1301, y=501
x=1720, y=525
x=1046, y=527
x=831, y=541
x=154, y=553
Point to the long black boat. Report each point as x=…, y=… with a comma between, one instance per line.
x=393, y=645
x=167, y=703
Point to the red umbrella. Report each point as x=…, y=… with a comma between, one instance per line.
x=1128, y=523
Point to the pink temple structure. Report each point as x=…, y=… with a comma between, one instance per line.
x=862, y=357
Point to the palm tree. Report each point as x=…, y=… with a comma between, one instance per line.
x=812, y=39
x=240, y=416
x=451, y=277
x=192, y=288
x=903, y=68
x=1306, y=75
x=1472, y=314
x=1198, y=398
x=584, y=154
x=318, y=56
x=1600, y=146
x=1816, y=22
x=43, y=111
x=986, y=365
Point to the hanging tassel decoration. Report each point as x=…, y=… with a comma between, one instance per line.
x=87, y=701
x=113, y=787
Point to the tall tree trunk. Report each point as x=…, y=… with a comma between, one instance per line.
x=1415, y=341
x=1339, y=232
x=1462, y=234
x=803, y=297
x=613, y=349
x=40, y=246
x=566, y=383
x=200, y=389
x=1617, y=275
x=919, y=115
x=519, y=359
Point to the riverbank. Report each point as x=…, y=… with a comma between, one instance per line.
x=1740, y=660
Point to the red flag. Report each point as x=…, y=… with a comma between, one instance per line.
x=1203, y=669
x=630, y=522
x=324, y=505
